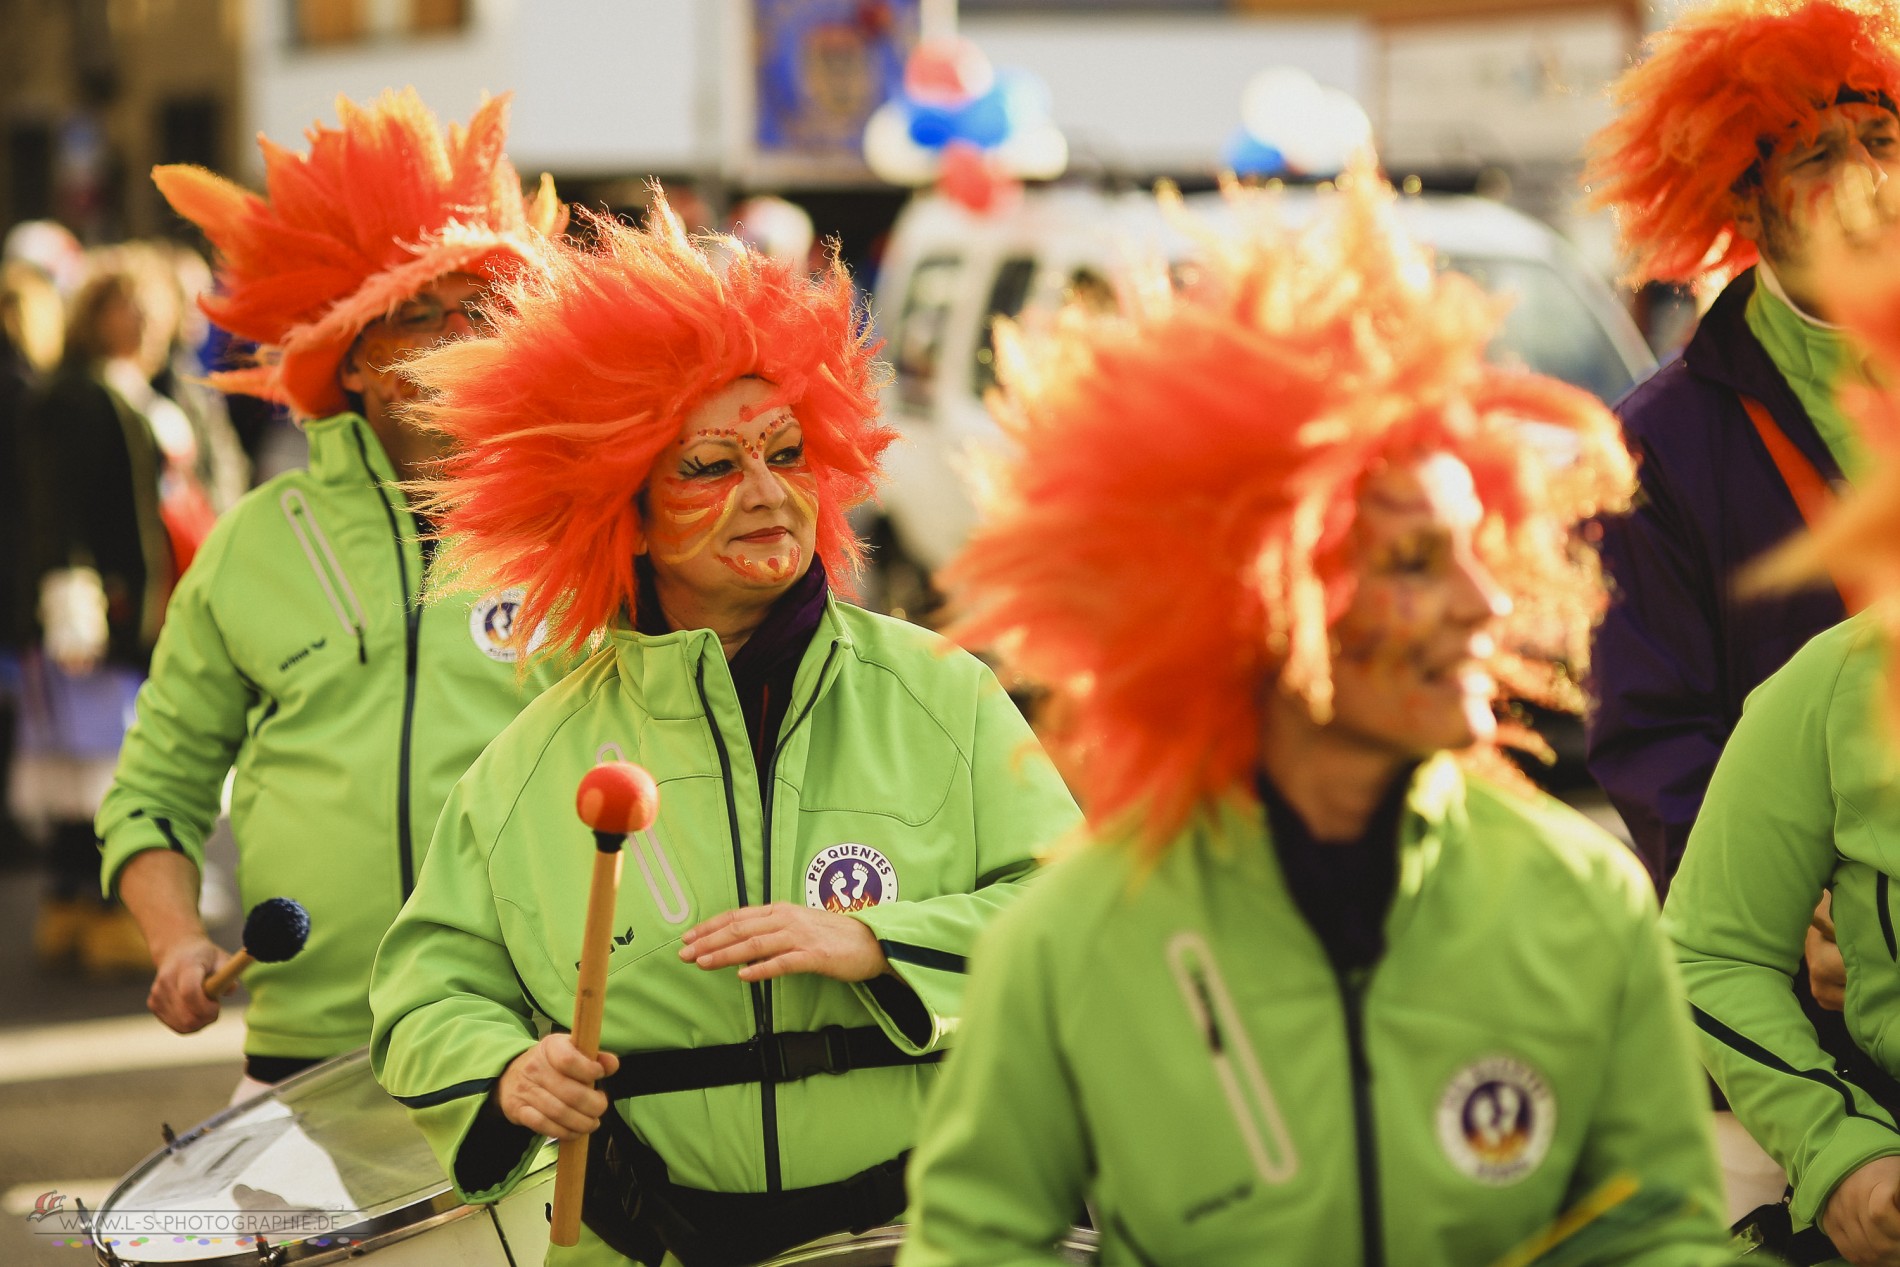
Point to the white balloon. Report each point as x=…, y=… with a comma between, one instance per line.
x=1276, y=100
x=890, y=152
x=1328, y=138
x=1035, y=153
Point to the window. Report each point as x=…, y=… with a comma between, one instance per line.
x=328, y=23
x=921, y=327
x=1007, y=293
x=320, y=23
x=1549, y=328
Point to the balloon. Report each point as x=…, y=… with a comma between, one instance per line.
x=947, y=72
x=984, y=122
x=970, y=179
x=1247, y=155
x=1026, y=98
x=889, y=151
x=1315, y=129
x=931, y=126
x=1338, y=130
x=1039, y=152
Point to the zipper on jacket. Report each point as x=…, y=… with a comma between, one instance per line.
x=335, y=582
x=1352, y=993
x=412, y=637
x=770, y=782
x=760, y=1026
x=1236, y=1065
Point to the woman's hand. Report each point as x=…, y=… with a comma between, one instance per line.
x=1827, y=971
x=785, y=937
x=549, y=1088
x=1862, y=1218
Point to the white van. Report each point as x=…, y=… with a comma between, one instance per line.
x=948, y=274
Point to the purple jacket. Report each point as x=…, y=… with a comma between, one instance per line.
x=1679, y=651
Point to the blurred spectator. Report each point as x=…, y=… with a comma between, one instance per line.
x=32, y=327
x=116, y=511
x=222, y=465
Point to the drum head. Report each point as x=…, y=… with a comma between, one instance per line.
x=319, y=1165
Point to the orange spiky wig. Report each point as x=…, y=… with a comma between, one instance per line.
x=1716, y=92
x=591, y=368
x=1175, y=532
x=381, y=206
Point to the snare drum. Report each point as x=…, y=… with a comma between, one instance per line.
x=321, y=1168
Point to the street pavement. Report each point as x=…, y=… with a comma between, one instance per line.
x=88, y=1078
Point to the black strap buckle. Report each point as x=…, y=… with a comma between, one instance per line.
x=800, y=1055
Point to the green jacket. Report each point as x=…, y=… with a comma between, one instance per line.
x=897, y=751
x=1172, y=1045
x=1805, y=798
x=296, y=649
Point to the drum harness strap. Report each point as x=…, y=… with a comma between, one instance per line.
x=632, y=1204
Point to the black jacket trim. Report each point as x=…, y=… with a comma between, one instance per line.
x=924, y=956
x=1762, y=1056
x=429, y=1099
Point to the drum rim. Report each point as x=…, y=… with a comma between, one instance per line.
x=373, y=1233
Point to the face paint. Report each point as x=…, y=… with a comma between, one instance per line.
x=1409, y=673
x=735, y=497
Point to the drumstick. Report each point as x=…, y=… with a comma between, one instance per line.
x=274, y=931
x=615, y=797
x=1614, y=1191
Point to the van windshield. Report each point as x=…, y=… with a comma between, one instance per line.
x=1549, y=329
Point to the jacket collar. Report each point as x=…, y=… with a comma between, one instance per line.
x=664, y=672
x=340, y=445
x=1724, y=350
x=1434, y=816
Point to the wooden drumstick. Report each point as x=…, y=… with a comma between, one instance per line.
x=274, y=931
x=615, y=798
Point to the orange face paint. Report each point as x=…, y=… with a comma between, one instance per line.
x=697, y=499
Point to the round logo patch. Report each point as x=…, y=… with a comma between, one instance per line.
x=491, y=623
x=846, y=878
x=1496, y=1119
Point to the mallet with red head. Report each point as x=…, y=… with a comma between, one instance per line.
x=615, y=798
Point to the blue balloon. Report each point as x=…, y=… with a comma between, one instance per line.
x=985, y=122
x=932, y=127
x=1247, y=155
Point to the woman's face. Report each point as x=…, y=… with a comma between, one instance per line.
x=732, y=505
x=1408, y=669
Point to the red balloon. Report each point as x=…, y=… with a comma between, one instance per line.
x=617, y=796
x=969, y=178
x=947, y=72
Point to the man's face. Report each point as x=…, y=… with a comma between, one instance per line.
x=1409, y=674
x=1829, y=187
x=442, y=310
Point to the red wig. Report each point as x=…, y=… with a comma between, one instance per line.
x=1725, y=84
x=590, y=371
x=381, y=206
x=1176, y=531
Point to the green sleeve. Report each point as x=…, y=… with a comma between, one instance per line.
x=1761, y=853
x=1651, y=1121
x=190, y=724
x=1019, y=808
x=1002, y=1165
x=449, y=1012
